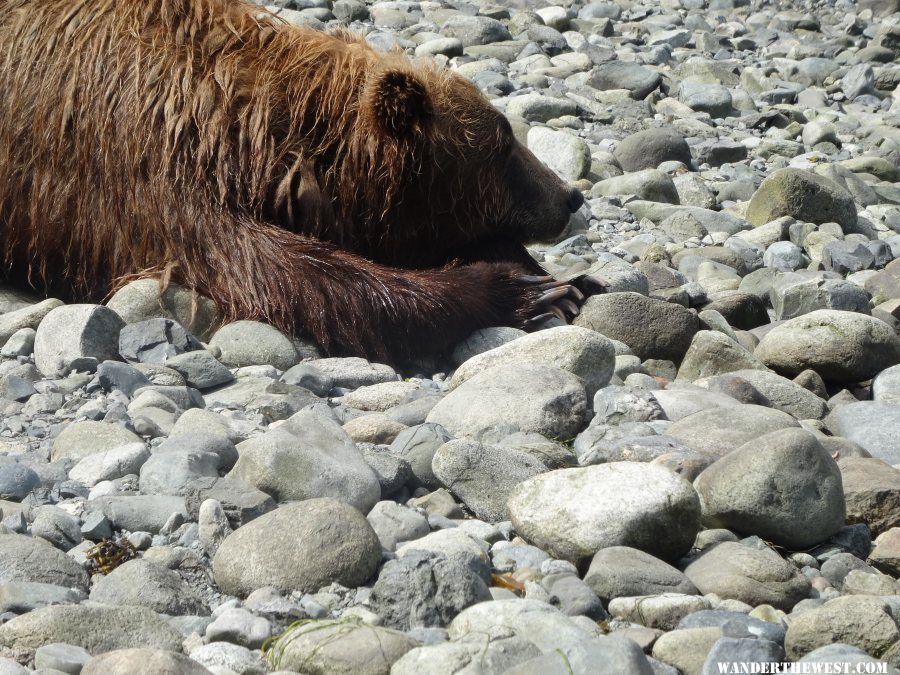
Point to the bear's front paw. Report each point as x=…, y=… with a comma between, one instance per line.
x=551, y=302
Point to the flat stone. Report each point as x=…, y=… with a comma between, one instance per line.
x=783, y=486
x=872, y=424
x=872, y=492
x=96, y=628
x=579, y=351
x=803, y=195
x=859, y=621
x=621, y=571
x=652, y=328
x=720, y=430
x=573, y=513
x=300, y=546
x=32, y=559
x=81, y=439
x=752, y=575
x=841, y=346
x=510, y=398
x=142, y=299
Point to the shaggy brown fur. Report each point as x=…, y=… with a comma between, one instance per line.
x=293, y=176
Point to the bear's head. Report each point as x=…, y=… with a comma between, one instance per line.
x=451, y=171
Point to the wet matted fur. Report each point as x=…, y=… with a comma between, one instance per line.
x=293, y=176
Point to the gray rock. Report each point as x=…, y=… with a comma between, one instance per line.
x=538, y=622
x=250, y=343
x=686, y=649
x=341, y=647
x=114, y=375
x=637, y=79
x=783, y=487
x=749, y=625
x=20, y=343
x=200, y=369
x=652, y=328
x=577, y=350
x=212, y=526
x=712, y=353
x=720, y=430
x=81, y=439
x=417, y=446
x=844, y=257
x=394, y=524
x=704, y=97
x=617, y=654
x=144, y=584
x=483, y=340
x=169, y=473
x=354, y=372
x=839, y=346
x=782, y=393
x=871, y=492
x=300, y=546
x=858, y=81
x=650, y=184
x=755, y=576
x=59, y=527
x=29, y=316
x=309, y=456
x=490, y=653
x=573, y=513
x=142, y=299
x=794, y=295
x=859, y=621
x=573, y=596
x=842, y=653
x=425, y=590
x=539, y=108
x=62, y=657
x=507, y=399
x=241, y=501
x=872, y=424
x=35, y=560
x=621, y=571
x=461, y=549
x=155, y=341
x=474, y=30
x=662, y=612
x=149, y=661
x=729, y=652
x=74, y=337
x=16, y=481
x=567, y=155
x=803, y=195
x=140, y=513
x=309, y=377
x=96, y=628
x=381, y=397
x=784, y=256
x=223, y=655
x=886, y=386
x=110, y=465
x=20, y=597
x=483, y=476
x=239, y=626
x=649, y=148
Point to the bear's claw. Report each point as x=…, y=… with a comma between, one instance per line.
x=558, y=302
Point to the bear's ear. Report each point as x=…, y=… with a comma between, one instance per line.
x=397, y=102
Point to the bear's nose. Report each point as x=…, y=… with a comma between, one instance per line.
x=576, y=199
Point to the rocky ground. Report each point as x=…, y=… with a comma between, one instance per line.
x=700, y=471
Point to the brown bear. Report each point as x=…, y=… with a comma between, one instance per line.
x=293, y=176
